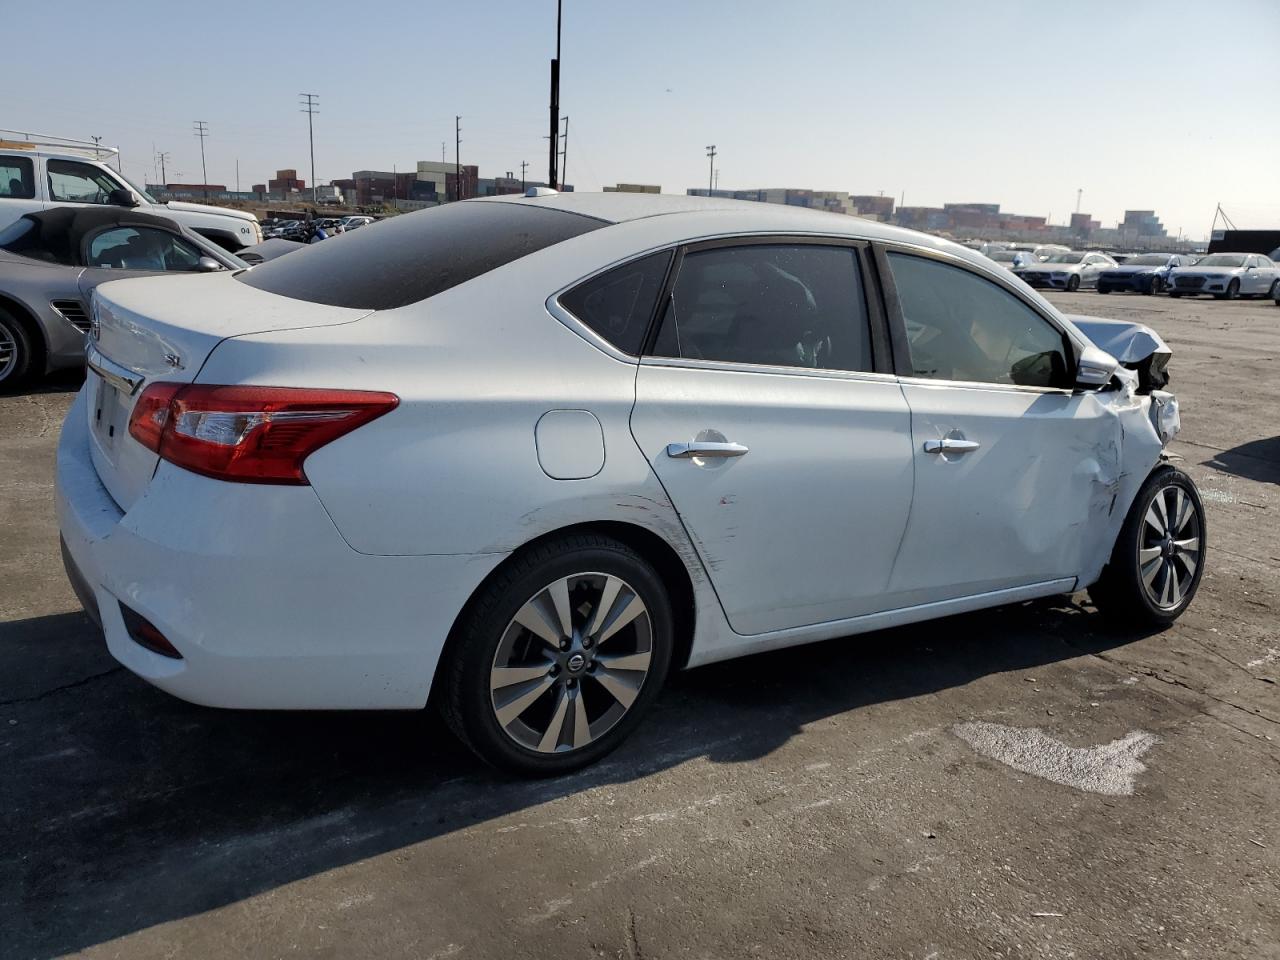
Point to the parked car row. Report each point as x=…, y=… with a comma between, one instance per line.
x=1225, y=276
x=299, y=229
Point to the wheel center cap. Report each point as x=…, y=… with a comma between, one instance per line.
x=1168, y=549
x=575, y=663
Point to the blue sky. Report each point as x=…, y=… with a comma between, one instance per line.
x=1014, y=103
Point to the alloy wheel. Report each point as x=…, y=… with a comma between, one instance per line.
x=1169, y=547
x=8, y=352
x=571, y=662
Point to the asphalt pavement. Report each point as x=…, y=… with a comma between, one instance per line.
x=1022, y=782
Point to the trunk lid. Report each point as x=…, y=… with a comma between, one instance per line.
x=156, y=329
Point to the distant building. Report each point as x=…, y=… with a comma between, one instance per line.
x=1143, y=223
x=873, y=207
x=329, y=194
x=835, y=201
x=286, y=182
x=1082, y=224
x=634, y=188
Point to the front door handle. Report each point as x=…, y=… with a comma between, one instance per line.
x=948, y=445
x=705, y=448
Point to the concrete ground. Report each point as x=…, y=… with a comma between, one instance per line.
x=928, y=792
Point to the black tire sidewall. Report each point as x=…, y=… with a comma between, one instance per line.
x=1233, y=290
x=1073, y=284
x=1121, y=583
x=472, y=657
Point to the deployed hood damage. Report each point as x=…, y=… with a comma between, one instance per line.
x=1137, y=347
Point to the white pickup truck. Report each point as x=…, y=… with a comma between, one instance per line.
x=37, y=174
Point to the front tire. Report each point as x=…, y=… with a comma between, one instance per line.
x=1233, y=291
x=15, y=352
x=1159, y=555
x=1073, y=284
x=1154, y=287
x=559, y=656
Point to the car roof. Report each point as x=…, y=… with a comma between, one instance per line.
x=61, y=230
x=701, y=216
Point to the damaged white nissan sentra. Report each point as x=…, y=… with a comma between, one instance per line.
x=523, y=456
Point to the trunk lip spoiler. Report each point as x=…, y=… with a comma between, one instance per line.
x=122, y=378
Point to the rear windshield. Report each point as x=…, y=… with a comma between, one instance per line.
x=416, y=255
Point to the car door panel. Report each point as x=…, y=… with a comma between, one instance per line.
x=803, y=528
x=1012, y=467
x=770, y=344
x=1018, y=509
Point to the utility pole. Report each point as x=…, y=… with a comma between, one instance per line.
x=715, y=179
x=202, y=131
x=552, y=178
x=524, y=165
x=564, y=154
x=457, y=154
x=1079, y=194
x=711, y=170
x=309, y=103
x=163, y=156
x=237, y=174
x=442, y=153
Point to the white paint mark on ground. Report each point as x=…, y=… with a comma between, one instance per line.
x=1109, y=769
x=1271, y=656
x=817, y=766
x=1217, y=496
x=349, y=902
x=549, y=910
x=447, y=951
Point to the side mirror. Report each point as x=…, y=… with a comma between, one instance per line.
x=1095, y=368
x=120, y=197
x=208, y=265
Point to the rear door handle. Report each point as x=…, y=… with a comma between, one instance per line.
x=705, y=448
x=948, y=445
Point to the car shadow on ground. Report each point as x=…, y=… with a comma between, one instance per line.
x=60, y=381
x=123, y=807
x=1256, y=460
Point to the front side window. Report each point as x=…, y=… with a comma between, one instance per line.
x=17, y=178
x=790, y=305
x=961, y=326
x=140, y=248
x=73, y=182
x=618, y=305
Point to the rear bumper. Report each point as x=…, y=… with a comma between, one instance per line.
x=268, y=605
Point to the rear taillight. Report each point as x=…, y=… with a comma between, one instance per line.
x=248, y=434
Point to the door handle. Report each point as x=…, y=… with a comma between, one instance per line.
x=947, y=445
x=705, y=448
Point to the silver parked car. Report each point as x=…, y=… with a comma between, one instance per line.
x=1227, y=276
x=1066, y=271
x=51, y=261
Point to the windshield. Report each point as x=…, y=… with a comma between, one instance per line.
x=1147, y=260
x=1005, y=256
x=1066, y=258
x=1221, y=260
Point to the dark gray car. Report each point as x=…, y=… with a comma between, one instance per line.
x=51, y=261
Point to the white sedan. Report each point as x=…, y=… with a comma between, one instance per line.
x=520, y=457
x=1227, y=276
x=1066, y=270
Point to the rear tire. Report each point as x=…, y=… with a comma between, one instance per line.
x=1159, y=555
x=16, y=354
x=1274, y=292
x=1174, y=295
x=523, y=697
x=1102, y=289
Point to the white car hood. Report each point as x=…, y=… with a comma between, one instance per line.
x=1126, y=341
x=201, y=208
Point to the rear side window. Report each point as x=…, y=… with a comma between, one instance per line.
x=17, y=178
x=788, y=305
x=618, y=304
x=416, y=255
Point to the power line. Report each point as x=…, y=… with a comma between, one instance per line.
x=202, y=131
x=309, y=103
x=163, y=156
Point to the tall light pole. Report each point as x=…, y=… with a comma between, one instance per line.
x=711, y=174
x=309, y=103
x=202, y=131
x=552, y=179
